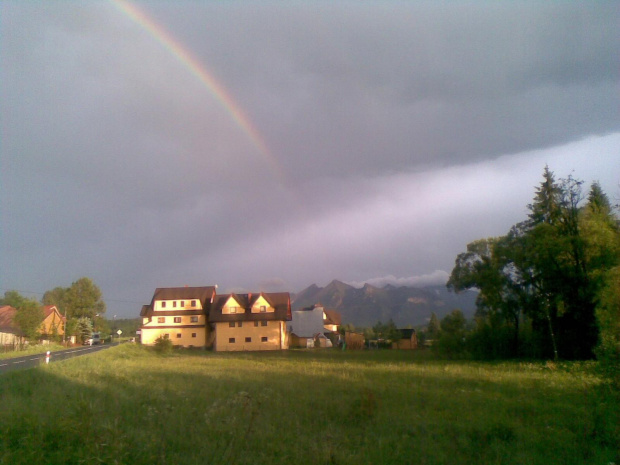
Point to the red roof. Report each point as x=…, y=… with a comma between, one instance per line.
x=6, y=319
x=49, y=309
x=333, y=317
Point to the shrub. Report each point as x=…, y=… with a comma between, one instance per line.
x=163, y=345
x=608, y=319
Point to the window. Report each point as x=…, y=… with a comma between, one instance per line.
x=193, y=334
x=231, y=324
x=178, y=335
x=256, y=323
x=263, y=323
x=182, y=303
x=231, y=340
x=161, y=319
x=232, y=309
x=240, y=324
x=166, y=336
x=248, y=339
x=163, y=305
x=174, y=304
x=177, y=319
x=263, y=308
x=194, y=319
x=263, y=339
x=193, y=303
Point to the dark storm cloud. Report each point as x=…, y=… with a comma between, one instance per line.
x=390, y=86
x=402, y=131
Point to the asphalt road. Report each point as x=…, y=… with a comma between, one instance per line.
x=30, y=361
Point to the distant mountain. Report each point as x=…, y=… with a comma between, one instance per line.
x=369, y=304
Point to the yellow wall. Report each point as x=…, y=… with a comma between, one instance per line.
x=169, y=320
x=53, y=320
x=262, y=302
x=275, y=331
x=406, y=343
x=149, y=335
x=152, y=329
x=230, y=304
x=9, y=339
x=181, y=304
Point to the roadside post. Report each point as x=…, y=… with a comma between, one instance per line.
x=119, y=332
x=47, y=357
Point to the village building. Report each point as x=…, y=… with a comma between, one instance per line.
x=251, y=321
x=179, y=314
x=10, y=334
x=408, y=340
x=314, y=327
x=196, y=317
x=53, y=324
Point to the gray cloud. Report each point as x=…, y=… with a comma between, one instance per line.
x=399, y=132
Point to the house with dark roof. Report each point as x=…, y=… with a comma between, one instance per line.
x=53, y=324
x=179, y=314
x=331, y=320
x=314, y=327
x=255, y=321
x=408, y=340
x=10, y=334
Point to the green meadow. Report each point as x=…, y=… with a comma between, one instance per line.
x=30, y=350
x=130, y=405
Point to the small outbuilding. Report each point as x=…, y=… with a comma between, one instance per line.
x=408, y=339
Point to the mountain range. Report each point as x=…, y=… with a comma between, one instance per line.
x=365, y=306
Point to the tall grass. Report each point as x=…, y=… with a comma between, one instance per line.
x=29, y=350
x=131, y=405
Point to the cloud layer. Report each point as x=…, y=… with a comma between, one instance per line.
x=395, y=133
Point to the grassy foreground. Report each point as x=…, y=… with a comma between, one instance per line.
x=31, y=350
x=128, y=405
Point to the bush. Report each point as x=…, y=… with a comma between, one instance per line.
x=163, y=345
x=608, y=319
x=452, y=342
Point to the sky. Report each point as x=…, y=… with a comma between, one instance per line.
x=267, y=146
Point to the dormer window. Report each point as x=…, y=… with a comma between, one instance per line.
x=193, y=303
x=233, y=309
x=182, y=303
x=163, y=305
x=174, y=304
x=263, y=308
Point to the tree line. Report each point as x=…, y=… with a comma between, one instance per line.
x=550, y=287
x=81, y=303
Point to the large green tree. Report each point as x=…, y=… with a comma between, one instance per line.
x=488, y=265
x=433, y=328
x=549, y=269
x=84, y=328
x=82, y=299
x=12, y=298
x=29, y=315
x=452, y=341
x=58, y=297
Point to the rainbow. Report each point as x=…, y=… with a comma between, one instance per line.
x=199, y=71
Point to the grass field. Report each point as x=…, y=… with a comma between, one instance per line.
x=129, y=405
x=30, y=350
